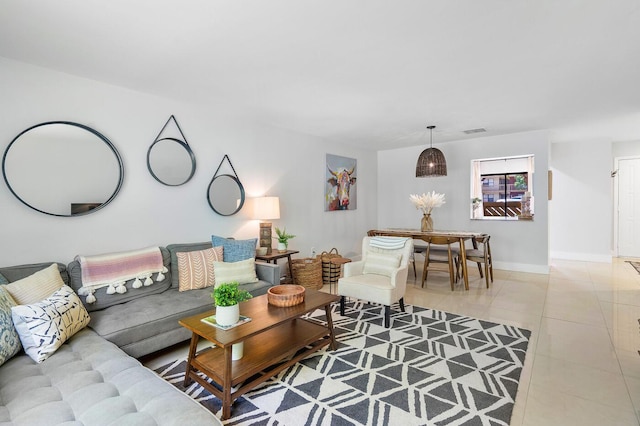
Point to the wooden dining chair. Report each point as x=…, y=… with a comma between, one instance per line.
x=440, y=251
x=481, y=254
x=418, y=248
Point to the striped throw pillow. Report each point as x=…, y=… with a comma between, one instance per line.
x=242, y=272
x=37, y=286
x=195, y=268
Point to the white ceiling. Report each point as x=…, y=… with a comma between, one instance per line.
x=373, y=73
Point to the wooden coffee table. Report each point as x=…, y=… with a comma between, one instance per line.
x=274, y=339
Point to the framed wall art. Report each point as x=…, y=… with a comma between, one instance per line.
x=341, y=192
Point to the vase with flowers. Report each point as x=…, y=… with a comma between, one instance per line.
x=426, y=203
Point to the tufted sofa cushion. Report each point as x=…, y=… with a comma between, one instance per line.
x=89, y=381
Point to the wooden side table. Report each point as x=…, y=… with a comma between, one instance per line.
x=275, y=255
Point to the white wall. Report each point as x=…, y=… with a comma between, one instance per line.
x=515, y=245
x=581, y=223
x=268, y=161
x=626, y=149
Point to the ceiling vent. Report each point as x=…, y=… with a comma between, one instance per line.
x=472, y=131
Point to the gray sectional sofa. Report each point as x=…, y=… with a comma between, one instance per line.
x=145, y=320
x=94, y=378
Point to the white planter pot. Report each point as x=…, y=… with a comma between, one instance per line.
x=227, y=315
x=237, y=351
x=282, y=247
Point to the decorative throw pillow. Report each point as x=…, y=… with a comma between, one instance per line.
x=242, y=272
x=37, y=286
x=9, y=339
x=195, y=268
x=381, y=264
x=174, y=249
x=236, y=250
x=3, y=280
x=44, y=326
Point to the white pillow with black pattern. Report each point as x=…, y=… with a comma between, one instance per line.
x=44, y=326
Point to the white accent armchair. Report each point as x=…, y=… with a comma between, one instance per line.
x=381, y=275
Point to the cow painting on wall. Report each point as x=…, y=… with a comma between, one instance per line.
x=340, y=183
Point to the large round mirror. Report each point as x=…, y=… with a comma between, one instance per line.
x=62, y=168
x=225, y=195
x=171, y=161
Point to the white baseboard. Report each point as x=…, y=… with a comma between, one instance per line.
x=582, y=257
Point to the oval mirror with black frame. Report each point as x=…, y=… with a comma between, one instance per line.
x=226, y=195
x=171, y=161
x=62, y=168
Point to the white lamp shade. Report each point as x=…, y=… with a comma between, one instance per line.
x=266, y=208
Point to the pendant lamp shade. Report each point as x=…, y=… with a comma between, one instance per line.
x=431, y=162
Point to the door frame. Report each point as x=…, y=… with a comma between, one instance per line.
x=616, y=188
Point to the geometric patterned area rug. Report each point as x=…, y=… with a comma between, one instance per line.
x=430, y=368
x=636, y=265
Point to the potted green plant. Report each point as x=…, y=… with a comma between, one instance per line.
x=226, y=297
x=283, y=239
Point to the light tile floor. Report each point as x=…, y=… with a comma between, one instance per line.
x=582, y=366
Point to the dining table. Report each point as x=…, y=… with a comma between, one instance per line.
x=417, y=234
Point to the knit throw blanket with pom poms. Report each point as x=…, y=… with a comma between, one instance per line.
x=113, y=270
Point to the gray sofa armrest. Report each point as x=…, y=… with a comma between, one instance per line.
x=268, y=272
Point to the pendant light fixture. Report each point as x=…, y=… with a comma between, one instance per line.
x=431, y=162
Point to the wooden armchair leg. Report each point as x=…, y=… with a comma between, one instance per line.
x=342, y=305
x=401, y=302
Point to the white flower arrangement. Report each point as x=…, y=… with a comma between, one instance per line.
x=427, y=202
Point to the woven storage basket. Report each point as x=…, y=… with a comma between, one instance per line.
x=330, y=271
x=307, y=272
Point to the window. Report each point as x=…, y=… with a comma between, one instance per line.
x=505, y=187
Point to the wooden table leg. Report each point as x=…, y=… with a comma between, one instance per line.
x=192, y=353
x=327, y=310
x=463, y=259
x=290, y=269
x=226, y=385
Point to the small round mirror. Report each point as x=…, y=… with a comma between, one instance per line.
x=171, y=162
x=225, y=195
x=62, y=168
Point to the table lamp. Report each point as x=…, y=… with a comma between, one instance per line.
x=266, y=208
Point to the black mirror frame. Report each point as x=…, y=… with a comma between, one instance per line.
x=242, y=195
x=235, y=178
x=82, y=126
x=182, y=143
x=189, y=151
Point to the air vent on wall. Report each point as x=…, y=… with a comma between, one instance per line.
x=471, y=131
